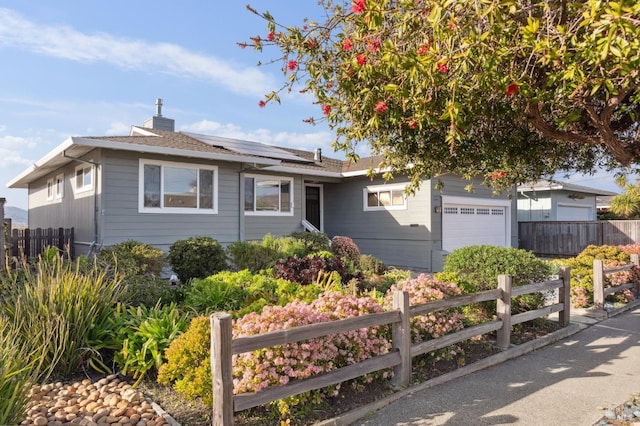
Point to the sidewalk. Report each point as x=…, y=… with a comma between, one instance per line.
x=595, y=366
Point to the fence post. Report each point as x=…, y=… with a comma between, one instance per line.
x=503, y=308
x=2, y=232
x=564, y=297
x=222, y=379
x=598, y=284
x=27, y=243
x=401, y=336
x=635, y=259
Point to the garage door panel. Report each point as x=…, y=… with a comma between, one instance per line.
x=464, y=225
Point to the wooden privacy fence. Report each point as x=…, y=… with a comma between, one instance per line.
x=600, y=292
x=32, y=242
x=223, y=346
x=570, y=238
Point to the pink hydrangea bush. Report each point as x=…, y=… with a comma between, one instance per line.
x=257, y=370
x=424, y=289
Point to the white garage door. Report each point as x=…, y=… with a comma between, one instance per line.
x=566, y=212
x=475, y=221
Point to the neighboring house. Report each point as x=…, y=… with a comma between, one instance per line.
x=549, y=200
x=158, y=186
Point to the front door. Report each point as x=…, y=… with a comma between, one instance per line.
x=312, y=205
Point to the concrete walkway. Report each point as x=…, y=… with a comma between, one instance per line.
x=567, y=382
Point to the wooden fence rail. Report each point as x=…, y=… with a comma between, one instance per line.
x=600, y=292
x=223, y=346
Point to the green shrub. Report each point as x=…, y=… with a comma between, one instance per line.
x=16, y=372
x=196, y=257
x=476, y=268
x=252, y=255
x=144, y=335
x=188, y=364
x=58, y=304
x=582, y=271
x=371, y=265
x=150, y=290
x=315, y=241
x=224, y=291
x=134, y=257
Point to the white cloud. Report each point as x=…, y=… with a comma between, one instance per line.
x=67, y=43
x=118, y=129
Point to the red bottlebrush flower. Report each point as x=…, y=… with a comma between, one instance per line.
x=412, y=123
x=261, y=104
x=358, y=6
x=374, y=45
x=502, y=174
x=422, y=50
x=443, y=66
x=451, y=25
x=312, y=43
x=271, y=36
x=512, y=89
x=326, y=109
x=381, y=106
x=329, y=85
x=347, y=45
x=292, y=65
x=362, y=59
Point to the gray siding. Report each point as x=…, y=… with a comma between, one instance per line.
x=72, y=210
x=397, y=237
x=122, y=221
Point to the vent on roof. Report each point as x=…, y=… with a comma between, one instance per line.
x=158, y=122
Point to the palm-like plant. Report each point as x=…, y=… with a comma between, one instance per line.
x=627, y=205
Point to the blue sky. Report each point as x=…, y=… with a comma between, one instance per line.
x=93, y=68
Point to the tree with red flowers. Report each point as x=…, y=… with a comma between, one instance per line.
x=521, y=88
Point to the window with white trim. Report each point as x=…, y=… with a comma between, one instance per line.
x=384, y=197
x=169, y=187
x=55, y=187
x=84, y=178
x=268, y=195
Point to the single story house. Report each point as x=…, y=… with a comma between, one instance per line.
x=551, y=200
x=157, y=185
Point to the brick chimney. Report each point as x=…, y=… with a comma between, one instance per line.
x=158, y=122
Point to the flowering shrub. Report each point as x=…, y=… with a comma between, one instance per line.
x=345, y=247
x=255, y=371
x=424, y=289
x=582, y=272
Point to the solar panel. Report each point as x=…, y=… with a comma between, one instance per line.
x=247, y=147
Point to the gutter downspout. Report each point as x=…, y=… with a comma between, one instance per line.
x=98, y=167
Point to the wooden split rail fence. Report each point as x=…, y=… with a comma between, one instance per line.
x=223, y=346
x=600, y=291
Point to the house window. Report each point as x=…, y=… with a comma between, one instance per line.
x=168, y=187
x=268, y=195
x=55, y=188
x=384, y=197
x=84, y=178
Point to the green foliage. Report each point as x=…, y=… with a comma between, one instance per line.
x=582, y=270
x=251, y=255
x=504, y=90
x=196, y=257
x=224, y=291
x=314, y=241
x=476, y=268
x=57, y=305
x=143, y=335
x=371, y=265
x=133, y=257
x=149, y=290
x=188, y=366
x=627, y=205
x=17, y=370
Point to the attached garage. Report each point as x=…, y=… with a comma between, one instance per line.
x=473, y=221
x=573, y=212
